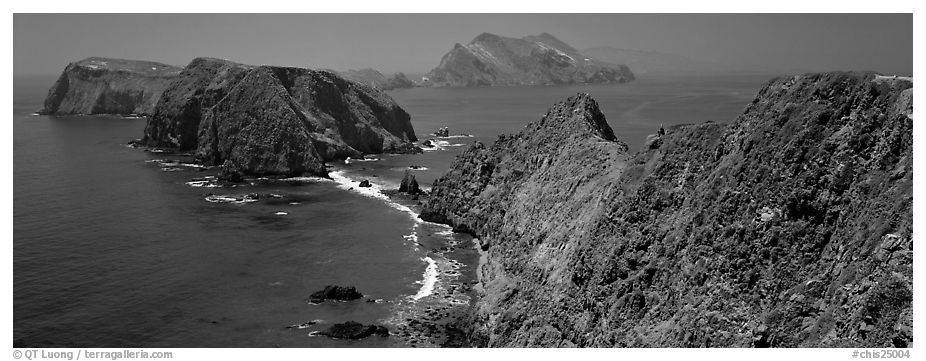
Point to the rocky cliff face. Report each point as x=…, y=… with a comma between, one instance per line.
x=271, y=120
x=491, y=60
x=109, y=86
x=375, y=79
x=790, y=226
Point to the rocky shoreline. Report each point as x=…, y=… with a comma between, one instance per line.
x=788, y=227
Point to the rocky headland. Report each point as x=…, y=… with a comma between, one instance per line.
x=790, y=226
x=109, y=86
x=493, y=60
x=270, y=120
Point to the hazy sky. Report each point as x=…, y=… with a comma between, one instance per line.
x=414, y=43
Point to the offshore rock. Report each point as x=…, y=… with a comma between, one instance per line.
x=409, y=185
x=789, y=227
x=337, y=293
x=354, y=330
x=492, y=60
x=109, y=86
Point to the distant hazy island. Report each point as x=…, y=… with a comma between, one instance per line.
x=492, y=60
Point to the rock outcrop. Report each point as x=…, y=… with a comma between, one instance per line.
x=375, y=79
x=354, y=330
x=492, y=60
x=336, y=293
x=409, y=184
x=789, y=227
x=270, y=120
x=109, y=86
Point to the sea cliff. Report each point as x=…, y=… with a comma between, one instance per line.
x=790, y=226
x=270, y=120
x=109, y=86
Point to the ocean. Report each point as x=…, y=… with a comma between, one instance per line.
x=120, y=247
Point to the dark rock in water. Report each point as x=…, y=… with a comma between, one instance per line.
x=428, y=143
x=272, y=120
x=229, y=172
x=492, y=60
x=109, y=86
x=671, y=246
x=442, y=132
x=409, y=185
x=354, y=330
x=335, y=293
x=365, y=183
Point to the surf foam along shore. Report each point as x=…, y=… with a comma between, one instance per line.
x=431, y=272
x=429, y=280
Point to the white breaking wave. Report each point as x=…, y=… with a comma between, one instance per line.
x=305, y=179
x=457, y=136
x=171, y=163
x=229, y=199
x=430, y=279
x=373, y=191
x=208, y=183
x=281, y=213
x=350, y=160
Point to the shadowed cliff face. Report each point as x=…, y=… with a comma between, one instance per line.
x=109, y=86
x=202, y=84
x=790, y=226
x=275, y=120
x=491, y=60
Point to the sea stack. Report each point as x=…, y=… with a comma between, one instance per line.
x=109, y=86
x=791, y=226
x=493, y=60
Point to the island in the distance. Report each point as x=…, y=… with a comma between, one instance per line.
x=376, y=79
x=493, y=60
x=250, y=120
x=109, y=86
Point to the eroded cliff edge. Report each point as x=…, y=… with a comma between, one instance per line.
x=109, y=86
x=790, y=226
x=270, y=120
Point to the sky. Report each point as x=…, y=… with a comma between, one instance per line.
x=43, y=44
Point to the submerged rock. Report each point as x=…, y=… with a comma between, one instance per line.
x=365, y=184
x=109, y=86
x=442, y=132
x=354, y=330
x=337, y=293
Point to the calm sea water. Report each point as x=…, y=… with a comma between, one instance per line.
x=114, y=247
